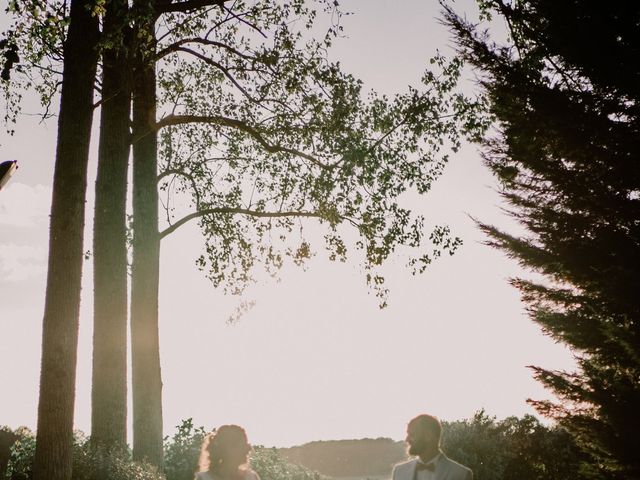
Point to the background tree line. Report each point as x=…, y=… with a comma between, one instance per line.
x=510, y=449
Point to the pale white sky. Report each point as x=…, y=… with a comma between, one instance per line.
x=314, y=358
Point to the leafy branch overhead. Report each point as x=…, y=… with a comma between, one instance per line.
x=261, y=128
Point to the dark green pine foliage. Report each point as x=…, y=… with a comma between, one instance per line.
x=564, y=90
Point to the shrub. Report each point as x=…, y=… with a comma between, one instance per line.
x=88, y=463
x=270, y=465
x=182, y=451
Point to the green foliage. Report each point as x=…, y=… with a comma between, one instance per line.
x=88, y=463
x=182, y=451
x=264, y=131
x=509, y=449
x=564, y=90
x=513, y=449
x=109, y=465
x=269, y=464
x=37, y=30
x=21, y=456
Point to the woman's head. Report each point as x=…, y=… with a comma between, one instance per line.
x=226, y=448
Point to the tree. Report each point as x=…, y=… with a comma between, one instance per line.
x=513, y=448
x=564, y=91
x=53, y=456
x=264, y=132
x=109, y=373
x=296, y=139
x=38, y=32
x=145, y=269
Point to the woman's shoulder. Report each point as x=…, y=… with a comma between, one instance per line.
x=251, y=475
x=203, y=476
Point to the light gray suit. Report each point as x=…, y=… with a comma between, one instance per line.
x=446, y=469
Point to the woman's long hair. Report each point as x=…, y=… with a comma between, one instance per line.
x=217, y=444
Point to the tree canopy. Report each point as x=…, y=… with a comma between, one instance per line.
x=264, y=130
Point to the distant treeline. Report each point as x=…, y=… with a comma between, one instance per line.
x=348, y=458
x=513, y=448
x=509, y=449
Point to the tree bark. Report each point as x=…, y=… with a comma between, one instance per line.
x=54, y=441
x=145, y=348
x=109, y=375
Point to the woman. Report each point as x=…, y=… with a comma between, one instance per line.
x=225, y=454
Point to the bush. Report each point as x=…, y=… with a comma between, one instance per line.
x=513, y=449
x=270, y=465
x=21, y=456
x=182, y=453
x=88, y=463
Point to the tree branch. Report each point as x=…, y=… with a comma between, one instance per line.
x=187, y=5
x=220, y=67
x=242, y=126
x=239, y=18
x=233, y=211
x=173, y=171
x=174, y=47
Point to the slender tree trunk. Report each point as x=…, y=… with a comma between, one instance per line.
x=145, y=348
x=109, y=382
x=54, y=441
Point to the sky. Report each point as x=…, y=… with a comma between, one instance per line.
x=314, y=358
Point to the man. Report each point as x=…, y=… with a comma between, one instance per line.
x=423, y=437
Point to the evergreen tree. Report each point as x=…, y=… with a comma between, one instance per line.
x=564, y=90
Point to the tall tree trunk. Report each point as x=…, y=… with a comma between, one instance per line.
x=145, y=348
x=54, y=441
x=109, y=382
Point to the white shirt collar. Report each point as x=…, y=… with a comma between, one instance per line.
x=434, y=460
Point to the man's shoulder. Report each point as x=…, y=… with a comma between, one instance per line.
x=455, y=466
x=404, y=465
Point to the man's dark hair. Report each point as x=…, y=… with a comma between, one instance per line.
x=429, y=423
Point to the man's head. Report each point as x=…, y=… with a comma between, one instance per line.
x=423, y=435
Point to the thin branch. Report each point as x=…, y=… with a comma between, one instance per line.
x=242, y=126
x=188, y=5
x=202, y=41
x=189, y=177
x=239, y=17
x=220, y=67
x=233, y=211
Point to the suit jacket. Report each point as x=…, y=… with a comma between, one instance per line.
x=446, y=469
x=249, y=475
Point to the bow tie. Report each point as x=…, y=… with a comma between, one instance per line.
x=425, y=466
